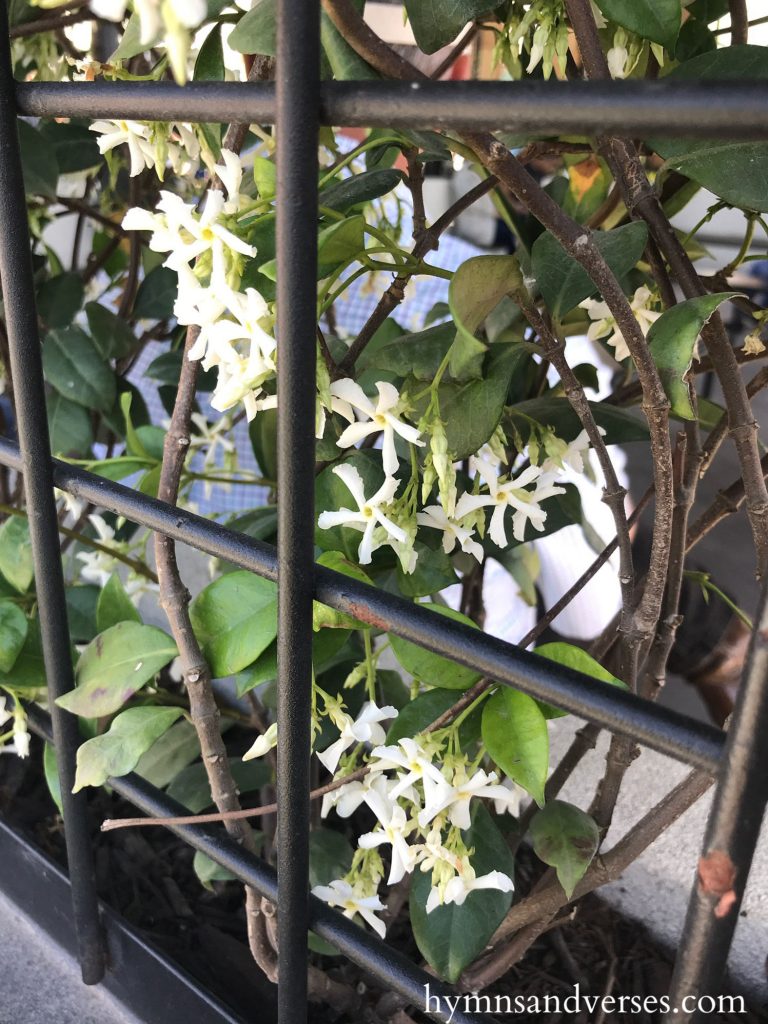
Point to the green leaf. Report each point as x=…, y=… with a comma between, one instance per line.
x=262, y=430
x=51, y=771
x=73, y=145
x=436, y=23
x=330, y=856
x=69, y=426
x=265, y=176
x=130, y=43
x=41, y=171
x=567, y=839
x=359, y=188
x=421, y=712
x=434, y=572
x=580, y=661
x=472, y=411
x=156, y=295
x=13, y=633
x=671, y=340
x=112, y=336
x=657, y=20
x=117, y=752
x=432, y=668
x=734, y=171
x=208, y=870
x=564, y=283
x=476, y=288
x=116, y=665
x=170, y=754
x=114, y=605
x=209, y=66
x=73, y=366
x=345, y=63
x=419, y=354
x=191, y=787
x=515, y=735
x=620, y=425
x=81, y=612
x=235, y=619
x=28, y=670
x=339, y=243
x=16, y=553
x=59, y=299
x=256, y=32
x=451, y=937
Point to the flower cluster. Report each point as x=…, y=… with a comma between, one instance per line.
x=152, y=144
x=421, y=800
x=169, y=21
x=207, y=250
x=604, y=325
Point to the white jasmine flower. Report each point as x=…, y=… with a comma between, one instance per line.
x=459, y=887
x=394, y=829
x=341, y=894
x=364, y=729
x=21, y=736
x=380, y=417
x=453, y=532
x=134, y=134
x=454, y=800
x=367, y=516
x=413, y=765
x=509, y=804
x=346, y=799
x=604, y=324
x=512, y=493
x=98, y=566
x=5, y=716
x=264, y=743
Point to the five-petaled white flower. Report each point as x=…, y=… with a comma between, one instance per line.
x=461, y=885
x=380, y=417
x=341, y=894
x=363, y=729
x=368, y=514
x=511, y=493
x=455, y=799
x=413, y=765
x=453, y=532
x=134, y=134
x=604, y=324
x=394, y=829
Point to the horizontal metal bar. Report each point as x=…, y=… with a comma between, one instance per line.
x=712, y=110
x=659, y=728
x=385, y=962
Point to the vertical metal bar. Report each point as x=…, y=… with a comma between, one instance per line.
x=298, y=62
x=732, y=832
x=27, y=374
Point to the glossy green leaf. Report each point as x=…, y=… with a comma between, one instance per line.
x=73, y=366
x=59, y=299
x=434, y=572
x=256, y=32
x=567, y=839
x=114, y=666
x=28, y=672
x=192, y=790
x=111, y=334
x=432, y=668
x=564, y=283
x=16, y=553
x=265, y=176
x=130, y=43
x=671, y=340
x=451, y=937
x=359, y=188
x=418, y=354
x=41, y=171
x=117, y=752
x=69, y=426
x=476, y=288
x=114, y=605
x=209, y=65
x=339, y=243
x=13, y=633
x=436, y=23
x=208, y=870
x=73, y=144
x=345, y=63
x=515, y=735
x=235, y=619
x=421, y=712
x=657, y=20
x=736, y=171
x=170, y=754
x=81, y=612
x=51, y=772
x=156, y=295
x=620, y=425
x=330, y=856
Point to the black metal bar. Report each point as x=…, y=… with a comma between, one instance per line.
x=725, y=110
x=388, y=965
x=27, y=374
x=662, y=729
x=732, y=832
x=298, y=78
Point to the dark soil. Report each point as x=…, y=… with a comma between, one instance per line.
x=147, y=876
